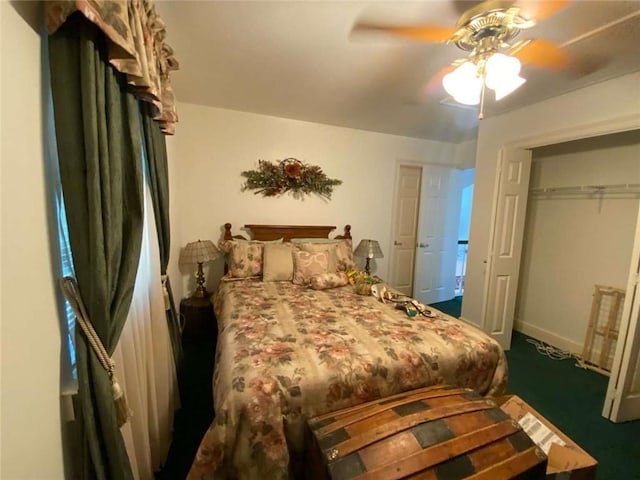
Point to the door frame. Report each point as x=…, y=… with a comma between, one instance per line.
x=614, y=125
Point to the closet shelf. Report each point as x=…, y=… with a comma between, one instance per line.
x=590, y=190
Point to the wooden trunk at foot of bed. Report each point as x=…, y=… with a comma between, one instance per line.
x=434, y=433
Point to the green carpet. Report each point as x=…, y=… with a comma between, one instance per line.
x=452, y=307
x=572, y=399
x=196, y=412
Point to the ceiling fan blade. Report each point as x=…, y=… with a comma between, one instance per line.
x=540, y=9
x=435, y=82
x=540, y=53
x=422, y=34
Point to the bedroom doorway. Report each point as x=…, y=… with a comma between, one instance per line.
x=425, y=231
x=437, y=241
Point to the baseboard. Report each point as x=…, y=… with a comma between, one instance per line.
x=547, y=337
x=466, y=320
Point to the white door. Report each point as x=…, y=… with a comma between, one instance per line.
x=405, y=227
x=622, y=402
x=438, y=235
x=510, y=208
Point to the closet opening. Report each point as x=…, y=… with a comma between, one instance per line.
x=579, y=235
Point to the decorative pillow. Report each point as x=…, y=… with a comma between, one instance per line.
x=314, y=240
x=344, y=253
x=227, y=245
x=307, y=265
x=330, y=248
x=328, y=280
x=277, y=262
x=244, y=257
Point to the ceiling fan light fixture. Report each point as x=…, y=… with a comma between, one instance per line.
x=499, y=72
x=464, y=84
x=502, y=74
x=510, y=85
x=499, y=66
x=468, y=96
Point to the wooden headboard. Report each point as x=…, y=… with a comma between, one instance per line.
x=287, y=232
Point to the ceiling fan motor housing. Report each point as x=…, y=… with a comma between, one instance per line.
x=489, y=31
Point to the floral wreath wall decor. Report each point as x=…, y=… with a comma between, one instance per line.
x=272, y=179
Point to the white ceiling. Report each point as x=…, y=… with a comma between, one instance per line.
x=299, y=60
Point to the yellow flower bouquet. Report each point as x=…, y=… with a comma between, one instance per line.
x=361, y=281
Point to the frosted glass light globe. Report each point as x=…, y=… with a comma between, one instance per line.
x=502, y=74
x=464, y=84
x=500, y=65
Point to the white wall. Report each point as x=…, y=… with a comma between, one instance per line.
x=214, y=145
x=581, y=113
x=31, y=445
x=465, y=154
x=573, y=243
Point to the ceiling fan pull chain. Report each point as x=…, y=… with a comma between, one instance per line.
x=481, y=114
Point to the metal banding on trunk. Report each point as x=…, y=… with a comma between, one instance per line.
x=436, y=433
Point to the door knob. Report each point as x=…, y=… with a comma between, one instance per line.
x=423, y=245
x=396, y=243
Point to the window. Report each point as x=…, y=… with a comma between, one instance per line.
x=63, y=261
x=70, y=376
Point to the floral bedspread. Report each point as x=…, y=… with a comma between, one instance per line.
x=286, y=353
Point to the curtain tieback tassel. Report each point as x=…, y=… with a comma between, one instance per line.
x=122, y=408
x=70, y=290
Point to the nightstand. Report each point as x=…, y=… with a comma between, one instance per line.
x=195, y=375
x=199, y=321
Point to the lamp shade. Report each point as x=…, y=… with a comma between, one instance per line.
x=202, y=251
x=368, y=249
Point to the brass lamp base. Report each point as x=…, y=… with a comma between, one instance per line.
x=201, y=291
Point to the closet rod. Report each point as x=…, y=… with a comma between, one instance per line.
x=589, y=189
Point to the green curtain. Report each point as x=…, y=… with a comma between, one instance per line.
x=156, y=156
x=100, y=154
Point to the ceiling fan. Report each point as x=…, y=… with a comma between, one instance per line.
x=488, y=33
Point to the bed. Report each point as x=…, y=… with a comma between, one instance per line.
x=287, y=352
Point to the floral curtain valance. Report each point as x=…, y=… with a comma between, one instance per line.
x=136, y=46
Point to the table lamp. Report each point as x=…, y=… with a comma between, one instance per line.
x=368, y=249
x=200, y=252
